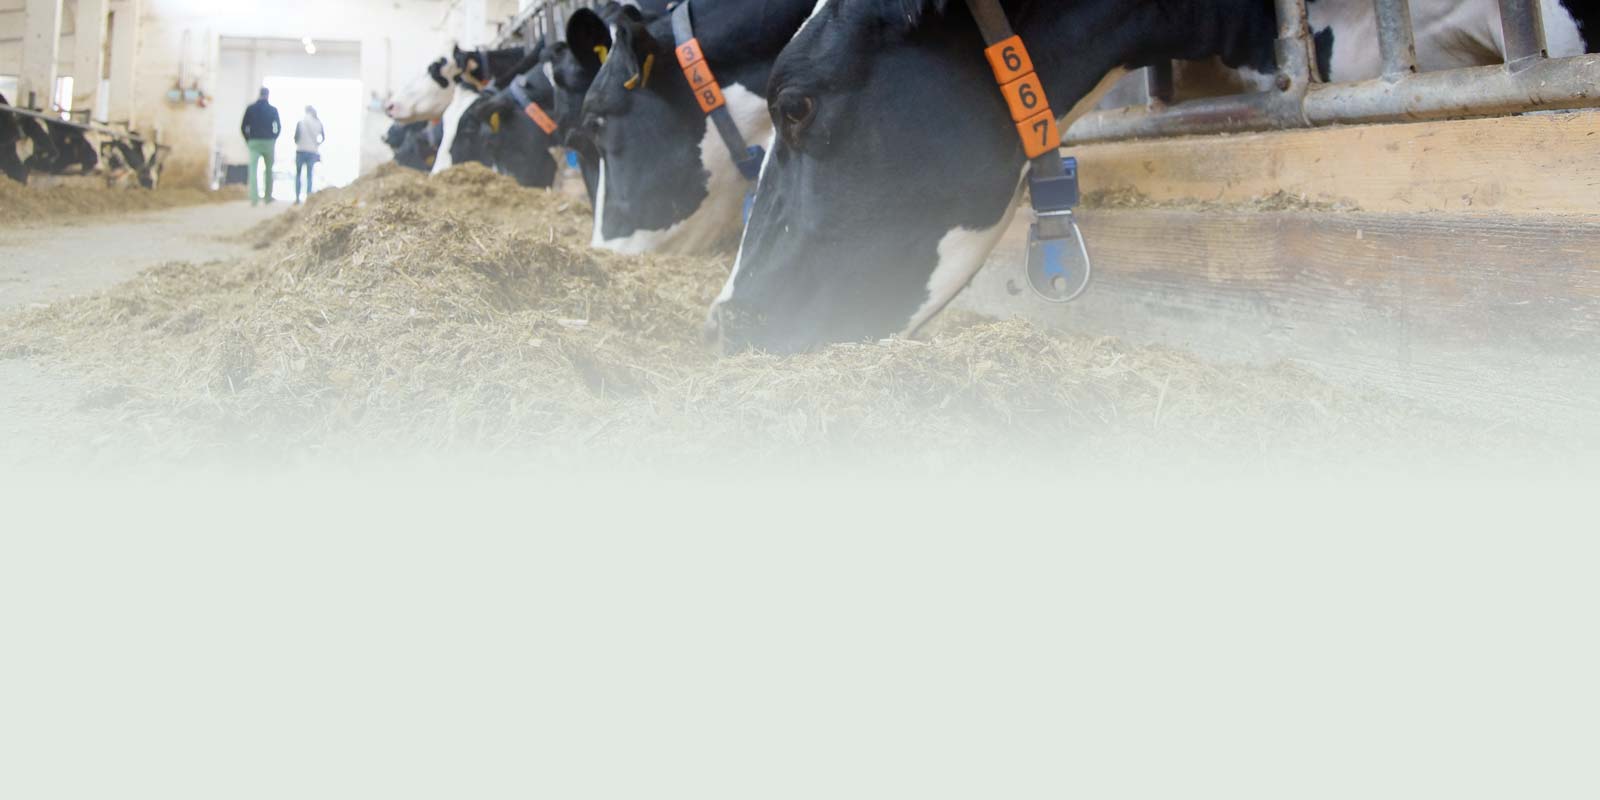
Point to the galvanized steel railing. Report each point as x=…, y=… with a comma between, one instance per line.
x=1528, y=81
x=545, y=20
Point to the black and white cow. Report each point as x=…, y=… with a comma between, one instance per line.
x=74, y=151
x=667, y=181
x=514, y=126
x=10, y=135
x=473, y=72
x=44, y=156
x=896, y=167
x=424, y=98
x=500, y=130
x=411, y=144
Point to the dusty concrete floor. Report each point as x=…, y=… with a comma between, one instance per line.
x=49, y=262
x=41, y=412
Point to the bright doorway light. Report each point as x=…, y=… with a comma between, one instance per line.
x=339, y=105
x=63, y=97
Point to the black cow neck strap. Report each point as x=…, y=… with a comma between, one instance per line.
x=1052, y=179
x=1048, y=167
x=708, y=93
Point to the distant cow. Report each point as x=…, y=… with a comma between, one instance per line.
x=425, y=97
x=473, y=72
x=519, y=124
x=11, y=134
x=412, y=144
x=667, y=181
x=74, y=151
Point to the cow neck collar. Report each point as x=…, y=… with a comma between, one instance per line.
x=1014, y=77
x=1052, y=180
x=536, y=112
x=708, y=93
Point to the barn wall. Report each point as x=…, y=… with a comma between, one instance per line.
x=11, y=38
x=180, y=39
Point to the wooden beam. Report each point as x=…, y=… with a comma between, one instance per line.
x=1536, y=164
x=1500, y=314
x=41, y=42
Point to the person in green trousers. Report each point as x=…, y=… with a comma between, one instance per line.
x=261, y=127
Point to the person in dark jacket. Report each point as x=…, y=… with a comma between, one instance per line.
x=261, y=127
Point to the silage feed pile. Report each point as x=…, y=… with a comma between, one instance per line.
x=467, y=315
x=22, y=205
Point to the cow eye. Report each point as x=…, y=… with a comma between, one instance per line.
x=795, y=112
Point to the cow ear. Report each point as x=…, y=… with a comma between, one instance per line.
x=589, y=39
x=636, y=43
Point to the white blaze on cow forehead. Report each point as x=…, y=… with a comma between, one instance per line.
x=452, y=121
x=727, y=288
x=420, y=99
x=722, y=211
x=597, y=239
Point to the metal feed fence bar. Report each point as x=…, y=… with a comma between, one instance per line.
x=1523, y=21
x=1396, y=39
x=1528, y=81
x=545, y=20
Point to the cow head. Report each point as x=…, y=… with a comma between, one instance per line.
x=424, y=97
x=896, y=167
x=500, y=130
x=482, y=68
x=667, y=182
x=473, y=131
x=573, y=68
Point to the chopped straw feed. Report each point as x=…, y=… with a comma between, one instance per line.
x=32, y=204
x=464, y=314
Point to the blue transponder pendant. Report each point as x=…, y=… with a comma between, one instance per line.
x=1058, y=259
x=572, y=159
x=750, y=165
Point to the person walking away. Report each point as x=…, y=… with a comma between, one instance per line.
x=308, y=138
x=261, y=127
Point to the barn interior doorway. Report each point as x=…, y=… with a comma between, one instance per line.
x=338, y=104
x=298, y=72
